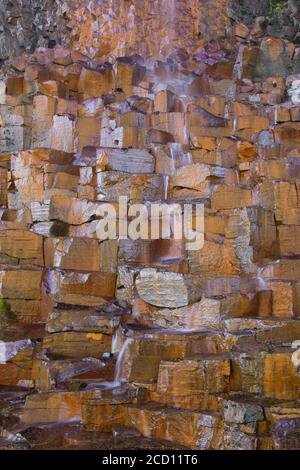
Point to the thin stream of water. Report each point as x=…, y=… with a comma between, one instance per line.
x=119, y=369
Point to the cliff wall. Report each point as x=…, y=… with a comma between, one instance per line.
x=125, y=343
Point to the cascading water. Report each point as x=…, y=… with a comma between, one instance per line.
x=235, y=123
x=166, y=187
x=117, y=339
x=119, y=368
x=167, y=10
x=179, y=157
x=120, y=372
x=262, y=285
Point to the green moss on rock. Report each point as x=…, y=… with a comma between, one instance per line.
x=6, y=313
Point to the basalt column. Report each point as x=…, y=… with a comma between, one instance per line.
x=127, y=344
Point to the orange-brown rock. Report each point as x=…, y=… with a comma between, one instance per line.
x=25, y=246
x=13, y=375
x=53, y=407
x=160, y=102
x=67, y=318
x=88, y=132
x=21, y=284
x=192, y=378
x=64, y=345
x=75, y=254
x=91, y=288
x=269, y=375
x=231, y=198
x=199, y=430
x=16, y=363
x=94, y=83
x=172, y=123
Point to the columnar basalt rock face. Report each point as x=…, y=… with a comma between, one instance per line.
x=114, y=28
x=148, y=341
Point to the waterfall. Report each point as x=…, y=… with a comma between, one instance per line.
x=261, y=281
x=235, y=123
x=167, y=10
x=179, y=157
x=262, y=284
x=116, y=343
x=119, y=369
x=166, y=187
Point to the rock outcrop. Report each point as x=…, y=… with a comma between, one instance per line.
x=118, y=343
x=110, y=29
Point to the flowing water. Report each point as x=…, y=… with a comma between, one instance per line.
x=121, y=362
x=261, y=285
x=166, y=187
x=235, y=123
x=261, y=280
x=179, y=157
x=117, y=340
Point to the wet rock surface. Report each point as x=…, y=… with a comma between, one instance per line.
x=113, y=29
x=128, y=344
